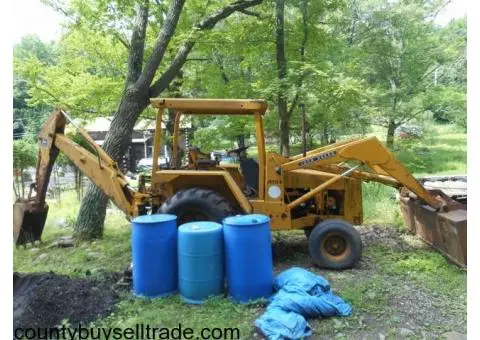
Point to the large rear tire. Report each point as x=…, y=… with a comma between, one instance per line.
x=197, y=204
x=335, y=244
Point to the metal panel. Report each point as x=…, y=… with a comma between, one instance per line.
x=444, y=231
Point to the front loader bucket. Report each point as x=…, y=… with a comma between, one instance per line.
x=446, y=231
x=28, y=221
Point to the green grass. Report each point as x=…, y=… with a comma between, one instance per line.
x=379, y=205
x=442, y=151
x=424, y=266
x=370, y=295
x=169, y=312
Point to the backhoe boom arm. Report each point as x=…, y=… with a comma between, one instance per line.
x=99, y=167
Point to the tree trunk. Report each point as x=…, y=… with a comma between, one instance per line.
x=284, y=137
x=22, y=182
x=304, y=130
x=76, y=173
x=325, y=133
x=15, y=190
x=80, y=180
x=241, y=141
x=391, y=133
x=91, y=216
x=282, y=74
x=391, y=122
x=168, y=135
x=17, y=182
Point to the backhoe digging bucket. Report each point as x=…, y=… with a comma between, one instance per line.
x=28, y=221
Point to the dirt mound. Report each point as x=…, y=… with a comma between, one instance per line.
x=45, y=299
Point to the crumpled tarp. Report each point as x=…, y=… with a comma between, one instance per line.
x=300, y=294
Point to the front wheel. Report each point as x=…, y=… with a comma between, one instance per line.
x=335, y=244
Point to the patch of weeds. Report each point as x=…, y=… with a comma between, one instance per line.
x=370, y=295
x=336, y=327
x=170, y=311
x=379, y=205
x=423, y=266
x=63, y=210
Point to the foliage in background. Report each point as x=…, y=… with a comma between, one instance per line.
x=398, y=50
x=28, y=114
x=351, y=63
x=24, y=157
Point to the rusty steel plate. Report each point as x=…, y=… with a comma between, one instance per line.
x=444, y=231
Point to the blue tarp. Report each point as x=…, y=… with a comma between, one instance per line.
x=300, y=294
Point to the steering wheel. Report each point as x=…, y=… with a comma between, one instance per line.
x=238, y=151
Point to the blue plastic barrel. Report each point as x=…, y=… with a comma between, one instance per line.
x=248, y=257
x=200, y=261
x=154, y=255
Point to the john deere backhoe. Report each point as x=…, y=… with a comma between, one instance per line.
x=318, y=191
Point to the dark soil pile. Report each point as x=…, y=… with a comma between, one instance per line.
x=45, y=299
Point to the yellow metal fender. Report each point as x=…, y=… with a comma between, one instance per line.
x=175, y=180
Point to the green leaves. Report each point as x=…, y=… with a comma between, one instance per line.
x=370, y=61
x=87, y=76
x=400, y=53
x=24, y=154
x=220, y=132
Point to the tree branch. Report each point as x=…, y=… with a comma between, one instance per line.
x=199, y=59
x=411, y=116
x=182, y=54
x=122, y=40
x=302, y=57
x=163, y=39
x=210, y=21
x=58, y=7
x=253, y=14
x=67, y=105
x=434, y=14
x=137, y=44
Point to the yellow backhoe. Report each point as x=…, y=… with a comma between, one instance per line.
x=318, y=191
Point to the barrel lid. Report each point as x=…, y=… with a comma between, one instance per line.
x=199, y=227
x=246, y=220
x=155, y=218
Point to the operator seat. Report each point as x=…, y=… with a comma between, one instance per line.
x=199, y=159
x=249, y=168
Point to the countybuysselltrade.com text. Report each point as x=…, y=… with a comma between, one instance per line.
x=139, y=331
